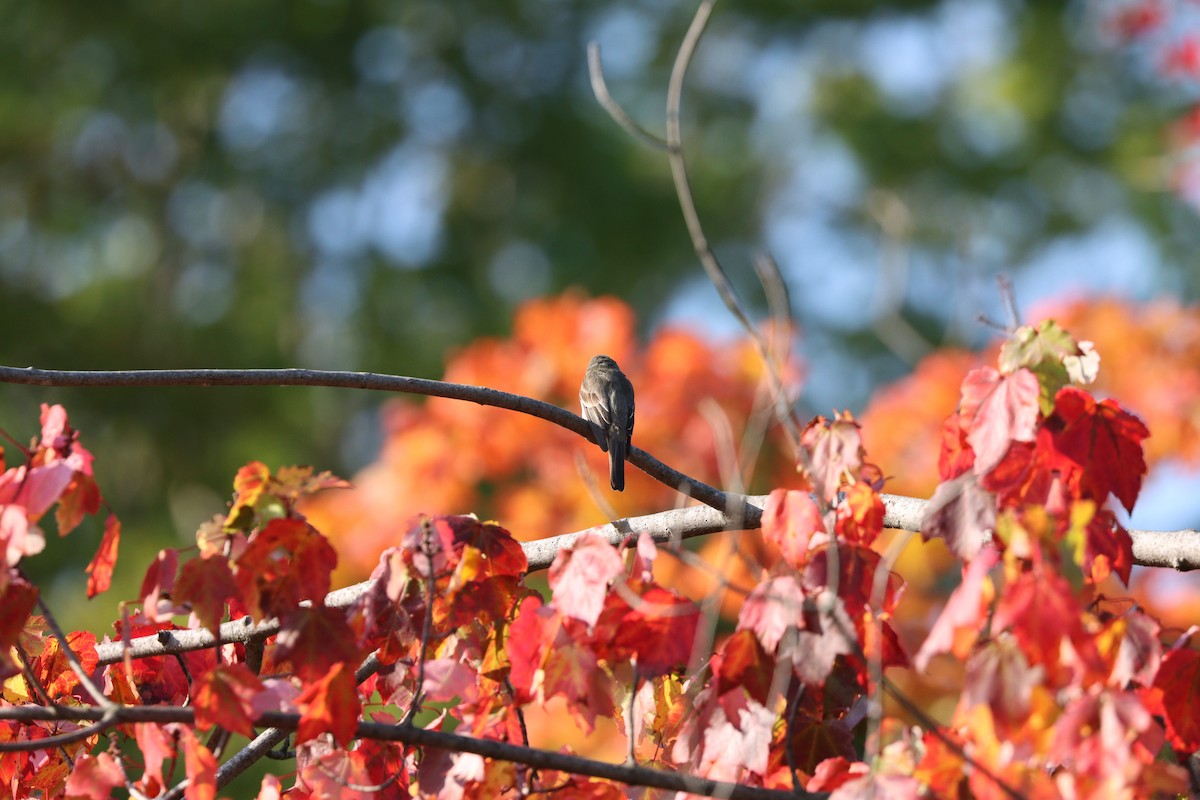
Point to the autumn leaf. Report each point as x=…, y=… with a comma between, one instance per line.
x=1045, y=350
x=207, y=584
x=835, y=454
x=330, y=705
x=283, y=563
x=225, y=696
x=775, y=606
x=580, y=575
x=997, y=411
x=94, y=777
x=315, y=639
x=962, y=514
x=961, y=621
x=1105, y=442
x=789, y=521
x=656, y=628
x=742, y=662
x=1178, y=682
x=100, y=569
x=249, y=485
x=158, y=584
x=201, y=767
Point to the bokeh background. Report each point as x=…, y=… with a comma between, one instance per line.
x=373, y=186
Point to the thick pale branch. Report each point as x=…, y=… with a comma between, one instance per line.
x=1179, y=550
x=502, y=751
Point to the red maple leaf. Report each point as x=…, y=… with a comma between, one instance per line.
x=283, y=563
x=207, y=584
x=1104, y=442
x=94, y=777
x=775, y=606
x=201, y=767
x=100, y=569
x=1178, y=683
x=580, y=575
x=330, y=705
x=998, y=410
x=225, y=696
x=158, y=583
x=961, y=621
x=962, y=514
x=657, y=629
x=789, y=521
x=835, y=454
x=314, y=639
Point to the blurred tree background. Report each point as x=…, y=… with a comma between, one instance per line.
x=369, y=186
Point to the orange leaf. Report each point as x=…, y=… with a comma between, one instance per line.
x=100, y=569
x=329, y=705
x=283, y=563
x=94, y=777
x=225, y=696
x=316, y=639
x=201, y=767
x=207, y=584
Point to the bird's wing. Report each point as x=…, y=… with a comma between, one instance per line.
x=595, y=411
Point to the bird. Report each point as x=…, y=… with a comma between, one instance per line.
x=606, y=397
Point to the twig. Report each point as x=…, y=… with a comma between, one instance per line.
x=85, y=680
x=606, y=101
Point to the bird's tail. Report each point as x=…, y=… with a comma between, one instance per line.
x=616, y=464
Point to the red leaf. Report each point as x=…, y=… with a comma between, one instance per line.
x=201, y=767
x=159, y=581
x=94, y=777
x=156, y=745
x=1041, y=610
x=1105, y=442
x=225, y=696
x=1094, y=733
x=962, y=514
x=835, y=454
x=100, y=570
x=955, y=456
x=315, y=639
x=329, y=705
x=789, y=521
x=82, y=496
x=207, y=584
x=17, y=600
x=961, y=621
x=580, y=575
x=742, y=662
x=860, y=515
x=999, y=676
x=658, y=630
x=997, y=411
x=283, y=563
x=774, y=606
x=500, y=554
x=1179, y=682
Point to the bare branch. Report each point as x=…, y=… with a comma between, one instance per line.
x=365, y=380
x=488, y=748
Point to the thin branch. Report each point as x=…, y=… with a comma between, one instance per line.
x=365, y=380
x=1178, y=550
x=108, y=720
x=488, y=748
x=606, y=101
x=85, y=680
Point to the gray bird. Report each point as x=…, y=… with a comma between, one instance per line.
x=606, y=396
